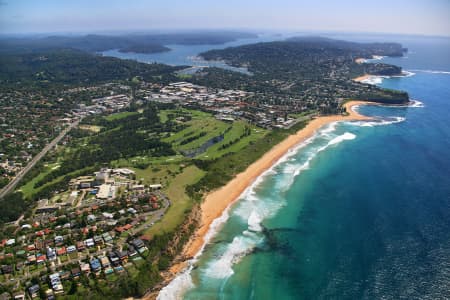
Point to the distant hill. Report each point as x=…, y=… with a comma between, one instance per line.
x=305, y=56
x=140, y=43
x=305, y=71
x=365, y=50
x=50, y=68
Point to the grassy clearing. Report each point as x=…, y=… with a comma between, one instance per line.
x=120, y=115
x=162, y=174
x=302, y=114
x=146, y=160
x=28, y=189
x=184, y=76
x=179, y=200
x=164, y=114
x=91, y=128
x=235, y=133
x=201, y=122
x=220, y=171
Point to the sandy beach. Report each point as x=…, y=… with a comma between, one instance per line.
x=217, y=201
x=361, y=78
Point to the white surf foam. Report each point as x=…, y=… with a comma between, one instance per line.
x=344, y=137
x=254, y=222
x=416, y=103
x=378, y=122
x=378, y=79
x=183, y=281
x=328, y=128
x=253, y=210
x=295, y=169
x=373, y=80
x=222, y=267
x=177, y=287
x=432, y=71
x=408, y=73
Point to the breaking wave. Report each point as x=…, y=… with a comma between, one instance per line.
x=378, y=79
x=378, y=122
x=432, y=71
x=373, y=80
x=416, y=103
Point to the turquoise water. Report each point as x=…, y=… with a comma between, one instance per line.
x=360, y=211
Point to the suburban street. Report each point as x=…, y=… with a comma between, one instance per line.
x=75, y=258
x=12, y=184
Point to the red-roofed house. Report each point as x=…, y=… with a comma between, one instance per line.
x=41, y=258
x=61, y=251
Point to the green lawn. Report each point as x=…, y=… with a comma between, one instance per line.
x=28, y=188
x=164, y=114
x=179, y=200
x=143, y=160
x=162, y=173
x=205, y=122
x=236, y=131
x=201, y=122
x=92, y=128
x=120, y=115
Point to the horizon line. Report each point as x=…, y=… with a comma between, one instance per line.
x=163, y=30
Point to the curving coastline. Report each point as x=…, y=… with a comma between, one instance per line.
x=216, y=202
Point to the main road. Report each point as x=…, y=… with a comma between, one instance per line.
x=12, y=184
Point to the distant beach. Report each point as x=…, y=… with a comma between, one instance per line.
x=362, y=78
x=219, y=200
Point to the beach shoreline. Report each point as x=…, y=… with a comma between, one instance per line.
x=218, y=201
x=362, y=78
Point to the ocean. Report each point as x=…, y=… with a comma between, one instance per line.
x=359, y=211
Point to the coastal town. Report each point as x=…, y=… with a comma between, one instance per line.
x=22, y=141
x=222, y=150
x=226, y=105
x=103, y=182
x=95, y=224
x=91, y=228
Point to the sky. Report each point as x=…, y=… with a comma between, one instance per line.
x=428, y=17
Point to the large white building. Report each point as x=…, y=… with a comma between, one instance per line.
x=106, y=191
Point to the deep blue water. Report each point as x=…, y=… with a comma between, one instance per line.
x=361, y=211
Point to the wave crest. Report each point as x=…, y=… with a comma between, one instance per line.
x=432, y=71
x=378, y=122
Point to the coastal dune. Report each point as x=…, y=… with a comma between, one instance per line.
x=216, y=202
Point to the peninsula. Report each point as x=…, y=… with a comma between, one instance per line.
x=157, y=154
